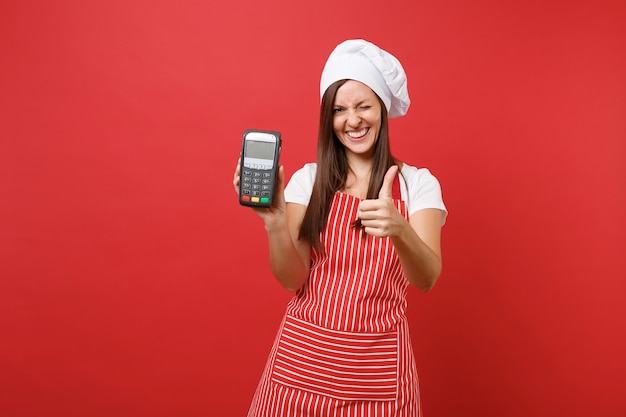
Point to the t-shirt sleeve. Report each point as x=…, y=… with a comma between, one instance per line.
x=424, y=191
x=300, y=185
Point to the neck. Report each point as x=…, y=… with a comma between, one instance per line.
x=359, y=166
x=358, y=179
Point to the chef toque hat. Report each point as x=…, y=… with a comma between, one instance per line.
x=360, y=60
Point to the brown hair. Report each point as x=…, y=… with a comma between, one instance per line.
x=332, y=168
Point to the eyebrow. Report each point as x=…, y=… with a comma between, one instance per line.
x=360, y=103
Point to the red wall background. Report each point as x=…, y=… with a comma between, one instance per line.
x=132, y=283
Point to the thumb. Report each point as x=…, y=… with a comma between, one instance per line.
x=279, y=191
x=387, y=187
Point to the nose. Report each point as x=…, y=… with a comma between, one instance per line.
x=353, y=119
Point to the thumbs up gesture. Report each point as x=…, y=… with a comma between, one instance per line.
x=380, y=217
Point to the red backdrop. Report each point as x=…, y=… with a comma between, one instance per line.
x=132, y=283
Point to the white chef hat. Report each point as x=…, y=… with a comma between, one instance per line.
x=360, y=60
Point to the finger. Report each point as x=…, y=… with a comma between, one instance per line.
x=367, y=209
x=279, y=189
x=237, y=176
x=237, y=168
x=236, y=184
x=387, y=187
x=281, y=177
x=280, y=183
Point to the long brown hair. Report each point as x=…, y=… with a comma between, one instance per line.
x=332, y=168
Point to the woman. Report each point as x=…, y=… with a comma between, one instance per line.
x=348, y=235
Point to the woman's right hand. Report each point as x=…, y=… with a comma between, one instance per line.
x=277, y=211
x=289, y=256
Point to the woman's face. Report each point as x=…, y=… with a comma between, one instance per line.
x=357, y=116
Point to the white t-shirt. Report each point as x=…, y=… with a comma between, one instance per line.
x=421, y=190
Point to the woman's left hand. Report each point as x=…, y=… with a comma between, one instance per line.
x=380, y=217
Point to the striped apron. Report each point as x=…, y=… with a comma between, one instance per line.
x=343, y=347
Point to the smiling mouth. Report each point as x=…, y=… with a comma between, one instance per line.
x=358, y=134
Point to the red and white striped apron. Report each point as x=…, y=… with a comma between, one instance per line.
x=343, y=348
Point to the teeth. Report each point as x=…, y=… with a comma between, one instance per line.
x=357, y=134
